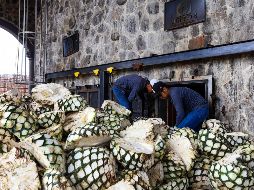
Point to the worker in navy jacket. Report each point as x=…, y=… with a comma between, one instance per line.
x=128, y=87
x=191, y=108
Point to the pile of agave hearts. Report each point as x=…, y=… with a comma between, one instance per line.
x=53, y=140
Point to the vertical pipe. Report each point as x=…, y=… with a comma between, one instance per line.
x=104, y=86
x=18, y=40
x=45, y=40
x=40, y=42
x=26, y=29
x=23, y=33
x=33, y=61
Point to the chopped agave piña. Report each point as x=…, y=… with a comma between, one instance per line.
x=139, y=179
x=237, y=138
x=137, y=148
x=11, y=96
x=159, y=127
x=113, y=123
x=49, y=93
x=213, y=143
x=87, y=136
x=247, y=154
x=56, y=131
x=230, y=173
x=173, y=166
x=25, y=101
x=38, y=109
x=184, y=132
x=183, y=148
x=55, y=180
x=159, y=148
x=18, y=121
x=198, y=176
x=16, y=153
x=114, y=108
x=141, y=129
x=122, y=185
x=77, y=119
x=71, y=103
x=217, y=125
x=7, y=141
x=49, y=119
x=150, y=154
x=156, y=174
x=26, y=98
x=175, y=184
x=91, y=168
x=46, y=149
x=133, y=154
x=18, y=173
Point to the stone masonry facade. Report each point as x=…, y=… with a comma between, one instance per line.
x=118, y=30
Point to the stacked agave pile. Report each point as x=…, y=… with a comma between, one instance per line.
x=53, y=140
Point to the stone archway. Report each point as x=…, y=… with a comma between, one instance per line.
x=13, y=29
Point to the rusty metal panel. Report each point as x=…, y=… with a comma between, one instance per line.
x=181, y=13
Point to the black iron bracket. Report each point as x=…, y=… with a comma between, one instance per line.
x=163, y=60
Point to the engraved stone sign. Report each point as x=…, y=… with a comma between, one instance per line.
x=181, y=13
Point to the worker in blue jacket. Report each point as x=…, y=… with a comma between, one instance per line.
x=191, y=108
x=128, y=87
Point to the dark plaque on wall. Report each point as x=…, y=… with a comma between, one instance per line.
x=71, y=44
x=181, y=13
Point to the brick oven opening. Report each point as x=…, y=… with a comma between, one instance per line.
x=165, y=109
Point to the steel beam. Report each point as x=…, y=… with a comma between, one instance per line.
x=167, y=59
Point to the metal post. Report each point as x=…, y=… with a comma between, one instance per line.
x=104, y=86
x=40, y=43
x=23, y=37
x=26, y=28
x=31, y=72
x=32, y=61
x=18, y=40
x=45, y=39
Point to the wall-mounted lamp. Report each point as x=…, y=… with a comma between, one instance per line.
x=96, y=72
x=76, y=74
x=110, y=70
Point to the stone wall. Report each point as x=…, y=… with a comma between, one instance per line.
x=119, y=30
